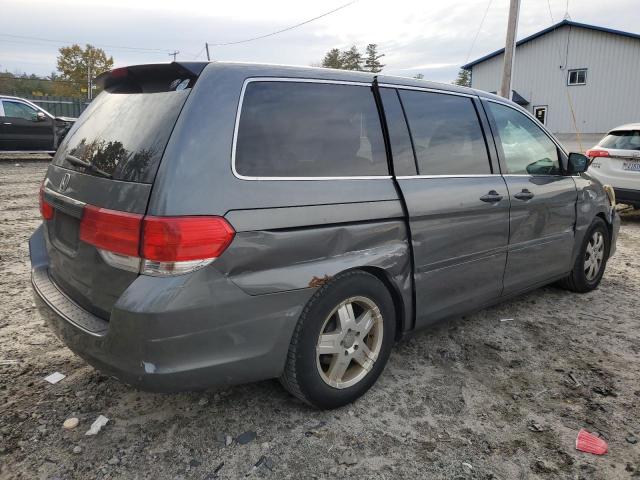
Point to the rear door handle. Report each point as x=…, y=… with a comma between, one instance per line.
x=524, y=195
x=491, y=197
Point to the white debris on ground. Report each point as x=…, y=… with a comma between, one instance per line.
x=473, y=398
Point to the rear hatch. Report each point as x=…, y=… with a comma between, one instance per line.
x=109, y=160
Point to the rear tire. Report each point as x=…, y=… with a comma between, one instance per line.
x=342, y=341
x=591, y=261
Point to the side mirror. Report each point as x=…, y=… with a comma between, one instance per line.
x=39, y=117
x=577, y=163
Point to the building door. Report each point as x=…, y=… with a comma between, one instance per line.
x=541, y=114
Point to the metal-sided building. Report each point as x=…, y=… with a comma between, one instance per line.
x=571, y=69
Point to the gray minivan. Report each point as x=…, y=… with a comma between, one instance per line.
x=209, y=224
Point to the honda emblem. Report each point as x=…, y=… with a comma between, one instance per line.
x=64, y=183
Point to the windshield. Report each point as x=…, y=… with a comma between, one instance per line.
x=622, y=140
x=122, y=136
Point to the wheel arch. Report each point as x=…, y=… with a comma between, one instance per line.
x=398, y=302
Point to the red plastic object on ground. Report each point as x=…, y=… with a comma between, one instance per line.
x=588, y=442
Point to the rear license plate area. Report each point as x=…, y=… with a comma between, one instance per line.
x=65, y=232
x=631, y=166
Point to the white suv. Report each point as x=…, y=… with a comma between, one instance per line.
x=615, y=161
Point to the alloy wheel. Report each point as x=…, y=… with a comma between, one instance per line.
x=594, y=256
x=349, y=343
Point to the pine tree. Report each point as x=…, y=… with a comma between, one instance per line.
x=332, y=59
x=464, y=78
x=351, y=59
x=372, y=62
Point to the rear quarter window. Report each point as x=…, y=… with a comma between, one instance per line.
x=308, y=129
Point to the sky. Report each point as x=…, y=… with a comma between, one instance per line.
x=429, y=37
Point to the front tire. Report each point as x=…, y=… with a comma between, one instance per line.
x=591, y=261
x=342, y=341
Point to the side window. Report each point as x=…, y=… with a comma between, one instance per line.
x=298, y=129
x=18, y=110
x=404, y=162
x=527, y=149
x=446, y=133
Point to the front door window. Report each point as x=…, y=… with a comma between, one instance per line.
x=527, y=149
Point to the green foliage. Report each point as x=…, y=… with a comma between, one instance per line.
x=77, y=64
x=20, y=84
x=332, y=59
x=372, y=61
x=352, y=59
x=464, y=78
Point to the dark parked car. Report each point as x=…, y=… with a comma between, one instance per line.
x=24, y=126
x=211, y=224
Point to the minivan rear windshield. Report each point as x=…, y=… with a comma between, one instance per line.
x=122, y=136
x=623, y=140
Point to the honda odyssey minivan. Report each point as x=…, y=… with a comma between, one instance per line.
x=208, y=224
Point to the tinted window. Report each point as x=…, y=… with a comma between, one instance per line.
x=403, y=161
x=527, y=149
x=624, y=140
x=18, y=110
x=122, y=136
x=290, y=129
x=446, y=134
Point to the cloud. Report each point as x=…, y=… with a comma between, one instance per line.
x=415, y=36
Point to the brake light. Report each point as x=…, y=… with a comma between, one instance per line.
x=46, y=209
x=117, y=232
x=155, y=245
x=176, y=239
x=594, y=152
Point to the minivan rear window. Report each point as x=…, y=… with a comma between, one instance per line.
x=122, y=136
x=309, y=129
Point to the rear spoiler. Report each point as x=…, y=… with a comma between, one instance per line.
x=155, y=77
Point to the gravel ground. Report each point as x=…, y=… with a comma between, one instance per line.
x=473, y=398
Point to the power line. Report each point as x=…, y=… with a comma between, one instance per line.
x=115, y=47
x=478, y=32
x=284, y=29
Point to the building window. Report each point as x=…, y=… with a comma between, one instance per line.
x=577, y=77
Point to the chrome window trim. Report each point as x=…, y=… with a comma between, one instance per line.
x=470, y=175
x=537, y=123
x=427, y=89
x=292, y=80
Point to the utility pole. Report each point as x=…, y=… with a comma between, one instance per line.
x=206, y=46
x=89, y=80
x=510, y=49
x=174, y=53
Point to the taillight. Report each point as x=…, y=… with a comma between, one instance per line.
x=175, y=245
x=176, y=239
x=117, y=232
x=46, y=209
x=594, y=152
x=155, y=245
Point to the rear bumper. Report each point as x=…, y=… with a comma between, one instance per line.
x=627, y=196
x=169, y=334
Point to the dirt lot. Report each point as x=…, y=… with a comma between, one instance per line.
x=474, y=398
